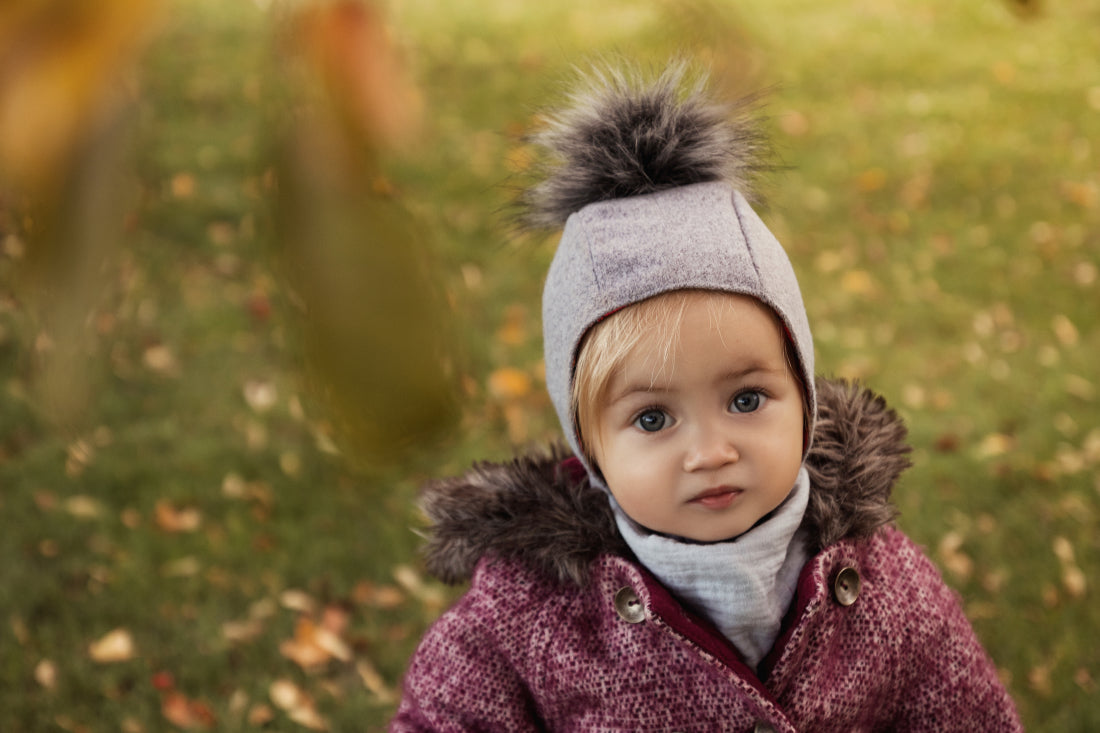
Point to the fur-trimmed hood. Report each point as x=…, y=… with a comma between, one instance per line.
x=541, y=509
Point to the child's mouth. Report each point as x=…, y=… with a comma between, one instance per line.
x=717, y=498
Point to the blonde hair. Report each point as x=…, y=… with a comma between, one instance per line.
x=609, y=343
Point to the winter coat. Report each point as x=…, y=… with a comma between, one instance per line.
x=561, y=629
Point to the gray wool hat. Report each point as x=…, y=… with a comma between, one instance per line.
x=614, y=253
x=652, y=181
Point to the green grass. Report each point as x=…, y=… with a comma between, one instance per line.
x=941, y=204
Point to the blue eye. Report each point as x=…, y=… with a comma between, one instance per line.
x=651, y=420
x=749, y=401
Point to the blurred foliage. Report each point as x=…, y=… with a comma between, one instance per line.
x=376, y=335
x=206, y=349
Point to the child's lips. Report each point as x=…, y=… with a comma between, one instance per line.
x=719, y=497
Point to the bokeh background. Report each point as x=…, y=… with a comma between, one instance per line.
x=258, y=281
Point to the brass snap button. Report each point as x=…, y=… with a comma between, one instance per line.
x=628, y=606
x=846, y=586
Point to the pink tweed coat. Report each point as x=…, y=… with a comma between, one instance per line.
x=562, y=630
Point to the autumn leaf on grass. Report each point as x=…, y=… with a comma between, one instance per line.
x=115, y=646
x=185, y=713
x=314, y=645
x=171, y=519
x=374, y=682
x=298, y=706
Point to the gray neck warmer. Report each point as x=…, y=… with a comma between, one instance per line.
x=743, y=586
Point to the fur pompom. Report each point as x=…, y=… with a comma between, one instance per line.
x=624, y=136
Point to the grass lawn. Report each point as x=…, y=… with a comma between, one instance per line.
x=201, y=547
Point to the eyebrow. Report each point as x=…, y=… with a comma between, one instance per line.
x=731, y=376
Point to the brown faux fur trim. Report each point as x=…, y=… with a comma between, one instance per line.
x=530, y=507
x=858, y=453
x=533, y=509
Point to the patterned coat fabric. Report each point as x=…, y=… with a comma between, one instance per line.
x=562, y=630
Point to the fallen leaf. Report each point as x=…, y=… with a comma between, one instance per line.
x=1038, y=679
x=45, y=674
x=304, y=649
x=857, y=282
x=1064, y=330
x=163, y=681
x=1063, y=550
x=160, y=359
x=1073, y=580
x=298, y=706
x=260, y=715
x=115, y=646
x=293, y=599
x=171, y=519
x=313, y=645
x=260, y=395
x=83, y=507
x=508, y=383
x=872, y=179
x=185, y=713
x=380, y=596
x=374, y=682
x=995, y=444
x=183, y=185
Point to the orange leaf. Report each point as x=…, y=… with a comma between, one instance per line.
x=171, y=519
x=185, y=713
x=508, y=383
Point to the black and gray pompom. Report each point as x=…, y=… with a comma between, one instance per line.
x=622, y=136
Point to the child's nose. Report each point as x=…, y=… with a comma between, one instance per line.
x=711, y=449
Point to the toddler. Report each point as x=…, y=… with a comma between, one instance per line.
x=715, y=549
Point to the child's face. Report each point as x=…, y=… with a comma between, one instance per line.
x=705, y=444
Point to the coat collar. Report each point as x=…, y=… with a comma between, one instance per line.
x=540, y=509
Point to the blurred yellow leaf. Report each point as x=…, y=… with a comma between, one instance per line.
x=298, y=706
x=374, y=682
x=857, y=282
x=115, y=646
x=260, y=395
x=508, y=383
x=995, y=444
x=870, y=180
x=1073, y=579
x=83, y=507
x=1064, y=330
x=160, y=359
x=59, y=64
x=172, y=519
x=297, y=600
x=183, y=186
x=45, y=674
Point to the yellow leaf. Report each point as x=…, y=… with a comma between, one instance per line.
x=995, y=444
x=1064, y=330
x=872, y=179
x=115, y=646
x=508, y=383
x=857, y=282
x=260, y=395
x=45, y=674
x=83, y=507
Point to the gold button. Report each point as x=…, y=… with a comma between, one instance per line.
x=846, y=587
x=628, y=606
x=763, y=727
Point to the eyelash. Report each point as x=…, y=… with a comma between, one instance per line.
x=763, y=393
